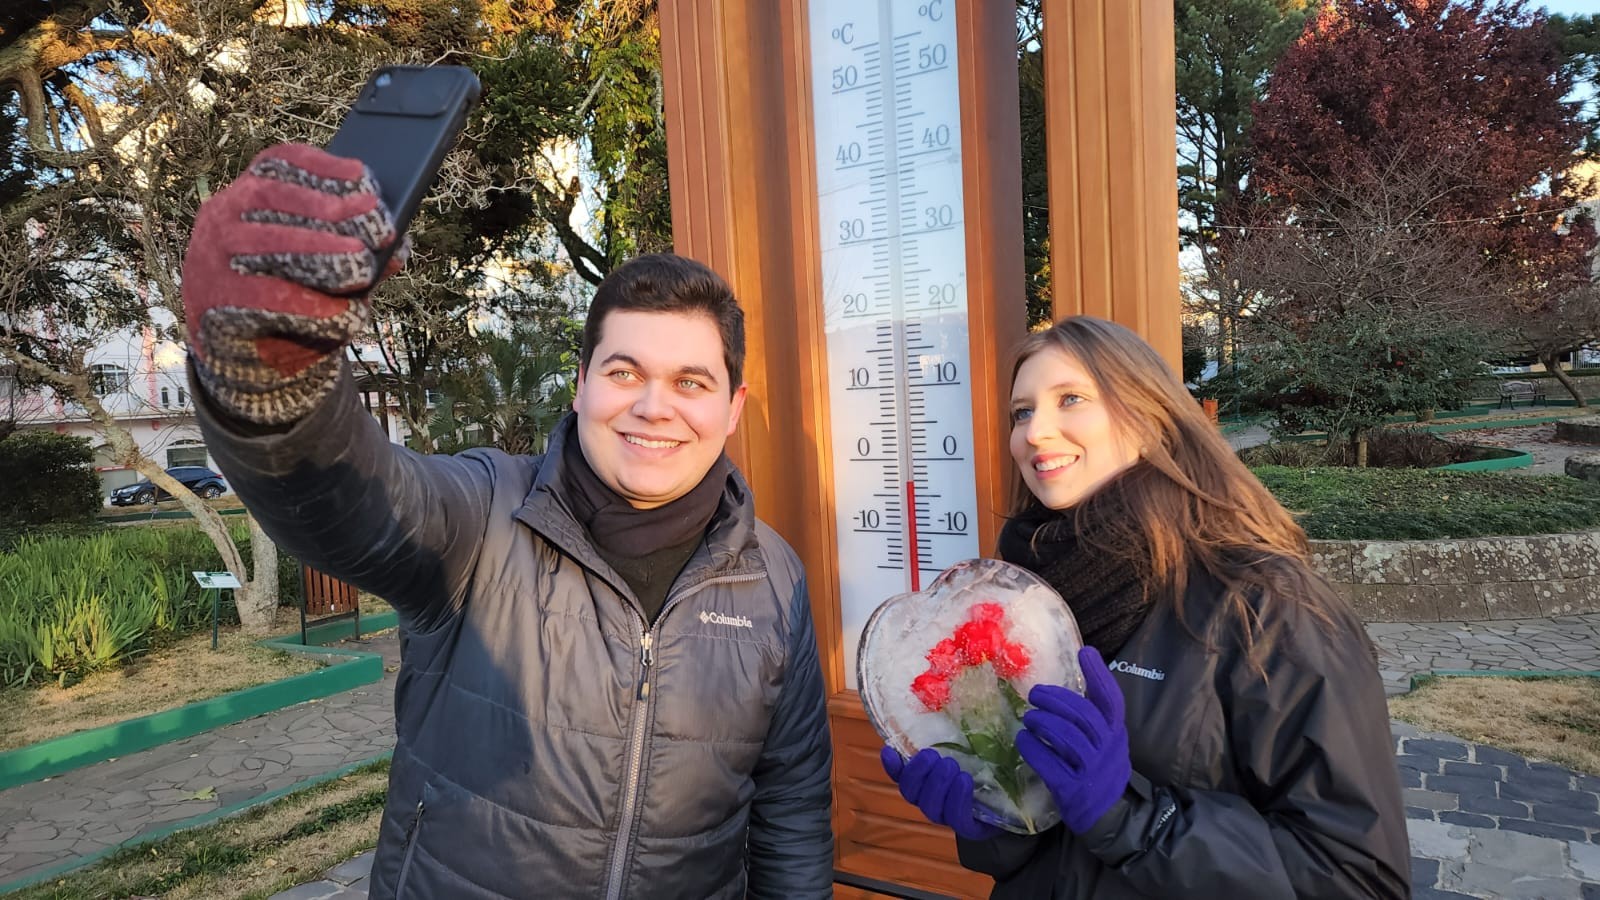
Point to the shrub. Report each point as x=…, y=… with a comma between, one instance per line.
x=46, y=478
x=1416, y=504
x=1387, y=448
x=1414, y=448
x=70, y=605
x=1344, y=375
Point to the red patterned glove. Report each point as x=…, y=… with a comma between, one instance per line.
x=267, y=258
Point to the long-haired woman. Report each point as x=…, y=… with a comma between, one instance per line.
x=1237, y=746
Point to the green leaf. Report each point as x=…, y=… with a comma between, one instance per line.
x=986, y=748
x=1013, y=699
x=954, y=745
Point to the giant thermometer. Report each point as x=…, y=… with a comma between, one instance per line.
x=887, y=130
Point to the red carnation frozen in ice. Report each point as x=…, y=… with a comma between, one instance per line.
x=948, y=668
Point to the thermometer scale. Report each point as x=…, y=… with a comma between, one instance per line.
x=887, y=126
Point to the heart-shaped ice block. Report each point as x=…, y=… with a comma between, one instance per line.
x=950, y=668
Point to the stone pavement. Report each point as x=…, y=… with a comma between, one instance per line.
x=1483, y=823
x=1549, y=454
x=1563, y=644
x=88, y=810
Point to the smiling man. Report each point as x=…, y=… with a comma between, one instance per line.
x=610, y=684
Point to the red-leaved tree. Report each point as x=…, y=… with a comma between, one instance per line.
x=1470, y=87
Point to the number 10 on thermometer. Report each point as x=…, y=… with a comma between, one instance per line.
x=887, y=125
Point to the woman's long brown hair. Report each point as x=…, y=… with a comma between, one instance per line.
x=1194, y=505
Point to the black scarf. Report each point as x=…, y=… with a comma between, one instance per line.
x=616, y=526
x=1104, y=582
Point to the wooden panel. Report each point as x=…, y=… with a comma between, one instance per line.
x=996, y=288
x=878, y=833
x=846, y=892
x=1110, y=115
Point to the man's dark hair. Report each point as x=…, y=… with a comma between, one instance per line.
x=663, y=282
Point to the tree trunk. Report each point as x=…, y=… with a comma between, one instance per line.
x=258, y=606
x=1361, y=451
x=125, y=450
x=1552, y=363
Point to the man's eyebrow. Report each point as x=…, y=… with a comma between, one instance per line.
x=622, y=358
x=699, y=371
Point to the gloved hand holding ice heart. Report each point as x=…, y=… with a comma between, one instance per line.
x=950, y=668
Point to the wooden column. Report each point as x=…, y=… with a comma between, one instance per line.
x=1111, y=135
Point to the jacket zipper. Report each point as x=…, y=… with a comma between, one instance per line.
x=411, y=847
x=641, y=709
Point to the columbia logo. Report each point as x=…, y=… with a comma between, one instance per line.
x=1141, y=671
x=711, y=618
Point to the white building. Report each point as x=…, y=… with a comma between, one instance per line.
x=142, y=382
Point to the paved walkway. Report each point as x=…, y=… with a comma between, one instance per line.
x=1549, y=454
x=86, y=811
x=1483, y=823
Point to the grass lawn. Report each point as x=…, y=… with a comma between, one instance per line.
x=182, y=672
x=1555, y=719
x=1334, y=503
x=254, y=855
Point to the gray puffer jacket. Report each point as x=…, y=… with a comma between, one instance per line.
x=550, y=743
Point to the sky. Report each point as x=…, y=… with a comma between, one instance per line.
x=1569, y=7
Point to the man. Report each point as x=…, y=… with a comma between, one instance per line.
x=610, y=684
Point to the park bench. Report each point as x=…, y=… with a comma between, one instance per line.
x=326, y=600
x=1512, y=391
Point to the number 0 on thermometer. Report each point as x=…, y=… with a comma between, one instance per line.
x=887, y=124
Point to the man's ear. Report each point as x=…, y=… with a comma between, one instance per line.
x=738, y=407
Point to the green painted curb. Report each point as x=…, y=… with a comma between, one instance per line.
x=1498, y=423
x=50, y=758
x=162, y=514
x=1518, y=460
x=198, y=821
x=338, y=631
x=1418, y=679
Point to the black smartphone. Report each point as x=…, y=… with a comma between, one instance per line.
x=403, y=123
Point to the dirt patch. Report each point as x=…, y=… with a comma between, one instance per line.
x=1555, y=719
x=185, y=671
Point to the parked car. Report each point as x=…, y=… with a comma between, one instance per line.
x=199, y=479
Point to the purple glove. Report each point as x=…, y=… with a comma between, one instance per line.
x=938, y=787
x=1079, y=744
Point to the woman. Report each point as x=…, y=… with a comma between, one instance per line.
x=1238, y=745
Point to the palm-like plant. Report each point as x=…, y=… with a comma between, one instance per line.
x=513, y=399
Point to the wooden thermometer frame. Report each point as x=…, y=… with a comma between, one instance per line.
x=737, y=92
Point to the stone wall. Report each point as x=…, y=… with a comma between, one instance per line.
x=1473, y=579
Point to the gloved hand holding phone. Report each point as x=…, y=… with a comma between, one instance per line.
x=280, y=262
x=275, y=278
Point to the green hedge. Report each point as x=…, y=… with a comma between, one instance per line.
x=46, y=478
x=1418, y=504
x=71, y=604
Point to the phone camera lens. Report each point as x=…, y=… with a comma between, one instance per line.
x=384, y=80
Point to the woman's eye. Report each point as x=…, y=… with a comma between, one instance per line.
x=1020, y=414
x=1070, y=399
